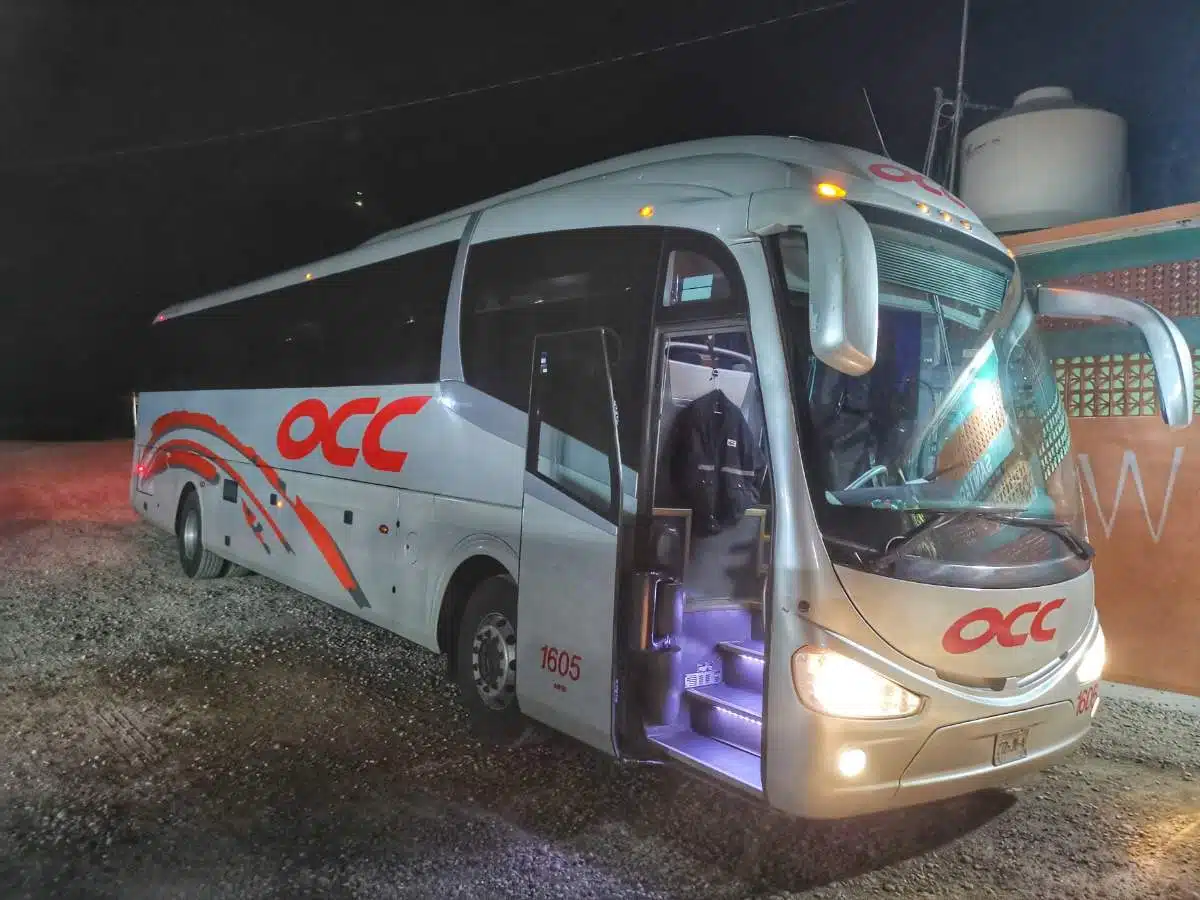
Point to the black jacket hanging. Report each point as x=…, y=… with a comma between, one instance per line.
x=716, y=462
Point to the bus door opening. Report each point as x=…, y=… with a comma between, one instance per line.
x=711, y=527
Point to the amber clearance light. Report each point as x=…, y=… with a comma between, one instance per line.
x=831, y=190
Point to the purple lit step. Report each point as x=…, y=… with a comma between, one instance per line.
x=744, y=662
x=729, y=714
x=743, y=702
x=750, y=649
x=734, y=766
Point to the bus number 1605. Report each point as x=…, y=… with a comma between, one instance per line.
x=560, y=662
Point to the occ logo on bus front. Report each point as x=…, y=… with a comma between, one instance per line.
x=989, y=623
x=325, y=427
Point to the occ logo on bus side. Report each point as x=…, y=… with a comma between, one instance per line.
x=326, y=425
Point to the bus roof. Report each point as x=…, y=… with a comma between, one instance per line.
x=701, y=163
x=794, y=150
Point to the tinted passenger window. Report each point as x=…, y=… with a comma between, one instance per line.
x=572, y=440
x=692, y=277
x=372, y=325
x=517, y=288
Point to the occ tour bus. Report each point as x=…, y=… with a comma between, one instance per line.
x=741, y=455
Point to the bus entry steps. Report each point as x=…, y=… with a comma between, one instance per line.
x=721, y=725
x=750, y=649
x=740, y=701
x=731, y=715
x=743, y=663
x=727, y=763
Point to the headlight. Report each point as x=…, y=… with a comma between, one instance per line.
x=1091, y=667
x=836, y=685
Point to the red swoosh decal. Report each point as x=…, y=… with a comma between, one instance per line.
x=199, y=449
x=202, y=422
x=179, y=419
x=181, y=459
x=330, y=550
x=255, y=526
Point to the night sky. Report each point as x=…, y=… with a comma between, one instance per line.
x=93, y=240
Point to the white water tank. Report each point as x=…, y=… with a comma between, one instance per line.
x=1047, y=161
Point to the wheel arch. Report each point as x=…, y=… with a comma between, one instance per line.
x=188, y=487
x=475, y=559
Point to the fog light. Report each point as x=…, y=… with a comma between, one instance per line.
x=851, y=762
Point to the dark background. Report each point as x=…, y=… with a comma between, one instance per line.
x=94, y=241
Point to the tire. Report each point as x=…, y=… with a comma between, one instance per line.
x=236, y=571
x=189, y=537
x=486, y=663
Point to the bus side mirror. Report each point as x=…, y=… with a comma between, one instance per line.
x=1172, y=358
x=843, y=293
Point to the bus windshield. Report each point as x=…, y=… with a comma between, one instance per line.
x=960, y=418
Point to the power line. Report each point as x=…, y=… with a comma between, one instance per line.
x=247, y=133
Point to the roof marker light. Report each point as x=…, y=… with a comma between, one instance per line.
x=966, y=225
x=831, y=190
x=946, y=217
x=924, y=207
x=308, y=276
x=646, y=211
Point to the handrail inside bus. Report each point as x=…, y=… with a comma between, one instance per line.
x=704, y=348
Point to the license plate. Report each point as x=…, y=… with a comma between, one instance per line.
x=1010, y=746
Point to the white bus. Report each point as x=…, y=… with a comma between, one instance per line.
x=741, y=455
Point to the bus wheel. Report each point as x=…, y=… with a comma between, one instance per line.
x=195, y=560
x=486, y=663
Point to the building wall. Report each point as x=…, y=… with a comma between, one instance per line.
x=1140, y=481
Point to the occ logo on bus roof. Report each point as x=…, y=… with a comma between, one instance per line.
x=900, y=175
x=326, y=425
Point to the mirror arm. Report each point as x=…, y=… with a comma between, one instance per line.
x=1169, y=351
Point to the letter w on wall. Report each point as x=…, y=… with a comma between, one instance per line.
x=1129, y=464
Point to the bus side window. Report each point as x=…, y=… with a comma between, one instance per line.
x=375, y=324
x=572, y=444
x=518, y=288
x=694, y=278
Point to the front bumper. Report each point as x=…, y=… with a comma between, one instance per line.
x=909, y=763
x=961, y=758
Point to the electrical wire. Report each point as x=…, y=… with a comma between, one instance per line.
x=249, y=133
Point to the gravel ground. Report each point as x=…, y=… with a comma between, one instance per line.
x=161, y=737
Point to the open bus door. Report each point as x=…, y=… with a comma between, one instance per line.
x=571, y=515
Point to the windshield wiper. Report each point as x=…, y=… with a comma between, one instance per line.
x=937, y=518
x=1079, y=546
x=895, y=547
x=938, y=473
